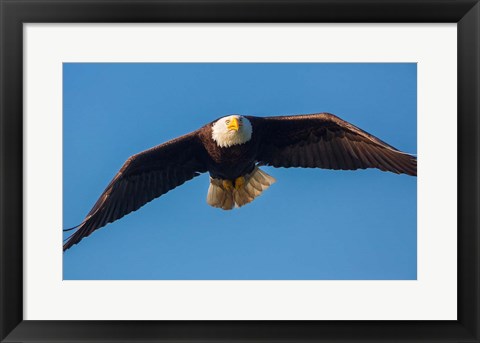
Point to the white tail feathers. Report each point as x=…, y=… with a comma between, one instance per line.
x=254, y=184
x=218, y=196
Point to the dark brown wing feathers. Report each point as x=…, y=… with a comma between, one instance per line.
x=143, y=177
x=325, y=141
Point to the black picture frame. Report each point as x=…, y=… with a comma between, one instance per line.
x=14, y=13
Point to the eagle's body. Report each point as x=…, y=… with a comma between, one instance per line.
x=231, y=149
x=229, y=162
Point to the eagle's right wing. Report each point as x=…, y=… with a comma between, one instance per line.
x=323, y=140
x=144, y=177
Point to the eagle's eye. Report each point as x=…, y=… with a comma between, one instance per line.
x=227, y=122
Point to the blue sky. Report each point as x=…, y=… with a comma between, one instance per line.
x=313, y=224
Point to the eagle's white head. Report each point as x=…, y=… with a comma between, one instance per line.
x=231, y=130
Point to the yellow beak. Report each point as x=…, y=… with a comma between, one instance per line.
x=233, y=124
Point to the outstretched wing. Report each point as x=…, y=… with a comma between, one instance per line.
x=325, y=141
x=143, y=177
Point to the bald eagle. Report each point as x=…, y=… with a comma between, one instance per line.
x=231, y=149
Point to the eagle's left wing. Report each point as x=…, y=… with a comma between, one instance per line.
x=325, y=141
x=143, y=177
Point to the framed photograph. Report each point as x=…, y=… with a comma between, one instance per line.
x=372, y=248
x=239, y=171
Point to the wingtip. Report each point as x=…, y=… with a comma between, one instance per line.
x=68, y=244
x=72, y=228
x=70, y=240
